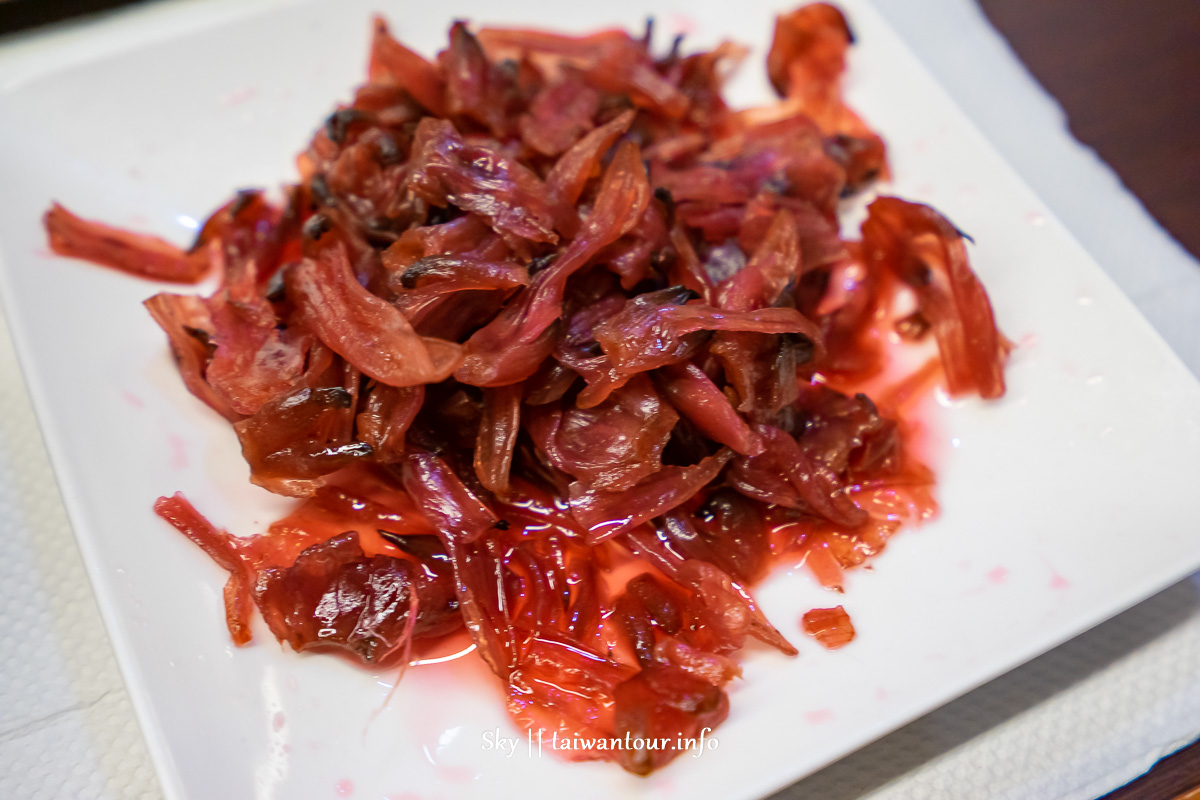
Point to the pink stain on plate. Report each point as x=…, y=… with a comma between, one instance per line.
x=1057, y=581
x=1035, y=218
x=455, y=774
x=344, y=787
x=42, y=252
x=997, y=576
x=178, y=447
x=818, y=716
x=683, y=24
x=278, y=721
x=133, y=400
x=881, y=694
x=238, y=96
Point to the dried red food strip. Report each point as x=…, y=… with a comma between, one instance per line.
x=254, y=362
x=921, y=248
x=189, y=328
x=136, y=254
x=699, y=399
x=331, y=596
x=499, y=426
x=386, y=417
x=776, y=263
x=442, y=274
x=292, y=443
x=577, y=165
x=394, y=63
x=612, y=445
x=222, y=548
x=445, y=169
x=364, y=329
x=560, y=114
x=606, y=514
x=805, y=64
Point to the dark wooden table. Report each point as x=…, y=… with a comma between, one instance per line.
x=1127, y=73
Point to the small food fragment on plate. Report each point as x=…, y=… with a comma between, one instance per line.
x=829, y=626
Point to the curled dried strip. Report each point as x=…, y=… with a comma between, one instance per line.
x=921, y=248
x=136, y=254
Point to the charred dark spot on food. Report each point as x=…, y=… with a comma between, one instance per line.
x=410, y=276
x=802, y=348
x=242, y=201
x=705, y=513
x=676, y=48
x=867, y=403
x=321, y=192
x=777, y=183
x=388, y=151
x=501, y=525
x=541, y=262
x=337, y=124
x=440, y=215
x=276, y=291
x=510, y=68
x=663, y=195
x=317, y=226
x=203, y=337
x=648, y=34
x=679, y=295
x=338, y=397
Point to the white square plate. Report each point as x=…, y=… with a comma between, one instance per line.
x=1063, y=504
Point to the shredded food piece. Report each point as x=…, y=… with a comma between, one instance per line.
x=829, y=626
x=561, y=355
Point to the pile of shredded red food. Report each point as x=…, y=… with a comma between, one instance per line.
x=561, y=351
